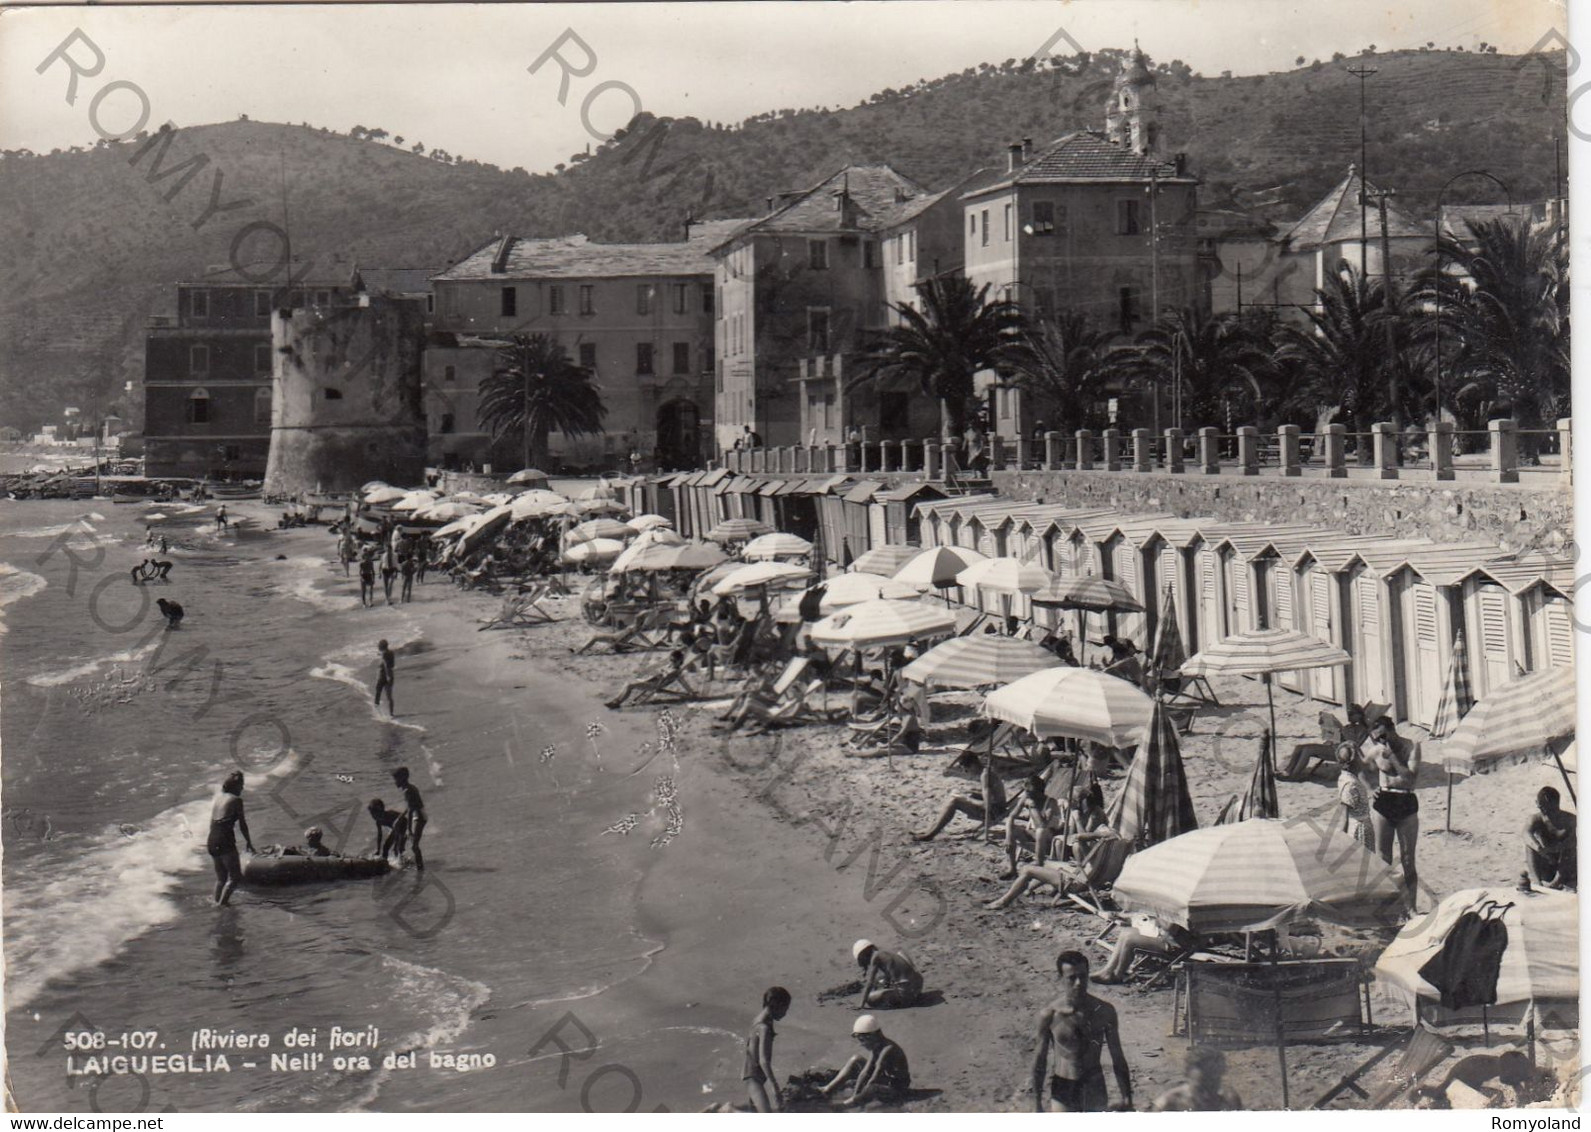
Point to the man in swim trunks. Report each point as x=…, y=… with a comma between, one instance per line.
x=881, y=1072
x=1395, y=810
x=367, y=578
x=406, y=567
x=172, y=612
x=392, y=828
x=386, y=675
x=899, y=982
x=414, y=812
x=1078, y=1027
x=1552, y=842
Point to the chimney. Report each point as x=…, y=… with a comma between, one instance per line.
x=770, y=204
x=1027, y=150
x=1014, y=162
x=690, y=219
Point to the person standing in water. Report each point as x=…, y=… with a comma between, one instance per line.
x=220, y=518
x=226, y=811
x=407, y=566
x=386, y=675
x=389, y=572
x=172, y=611
x=414, y=812
x=367, y=579
x=761, y=1082
x=1078, y=1028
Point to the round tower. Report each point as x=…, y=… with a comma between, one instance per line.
x=1129, y=113
x=346, y=402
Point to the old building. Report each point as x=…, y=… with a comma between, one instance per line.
x=1345, y=228
x=640, y=316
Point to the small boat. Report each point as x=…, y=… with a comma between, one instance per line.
x=264, y=870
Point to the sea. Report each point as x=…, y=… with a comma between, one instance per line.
x=115, y=736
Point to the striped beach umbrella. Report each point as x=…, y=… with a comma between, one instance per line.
x=1261, y=652
x=974, y=662
x=1077, y=703
x=877, y=624
x=1458, y=694
x=1089, y=593
x=854, y=588
x=1154, y=803
x=650, y=551
x=776, y=545
x=530, y=477
x=598, y=528
x=647, y=522
x=1259, y=874
x=1168, y=654
x=760, y=574
x=1004, y=575
x=1540, y=963
x=1523, y=716
x=885, y=560
x=738, y=530
x=937, y=567
x=1259, y=800
x=594, y=550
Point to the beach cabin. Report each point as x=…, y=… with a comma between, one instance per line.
x=740, y=497
x=902, y=524
x=830, y=510
x=857, y=517
x=1062, y=545
x=930, y=514
x=1169, y=563
x=1125, y=556
x=1540, y=608
x=707, y=500
x=1425, y=589
x=1322, y=609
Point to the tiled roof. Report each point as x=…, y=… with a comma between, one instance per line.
x=1336, y=219
x=319, y=272
x=576, y=257
x=398, y=280
x=1089, y=156
x=875, y=191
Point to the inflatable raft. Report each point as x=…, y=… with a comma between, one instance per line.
x=310, y=870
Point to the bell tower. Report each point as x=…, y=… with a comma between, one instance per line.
x=1129, y=113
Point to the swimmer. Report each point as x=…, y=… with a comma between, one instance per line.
x=172, y=612
x=312, y=847
x=392, y=828
x=414, y=812
x=386, y=676
x=1078, y=1028
x=226, y=811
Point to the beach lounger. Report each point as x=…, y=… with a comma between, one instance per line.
x=520, y=610
x=1306, y=756
x=1422, y=1052
x=967, y=761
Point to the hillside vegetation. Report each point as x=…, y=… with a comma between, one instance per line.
x=92, y=244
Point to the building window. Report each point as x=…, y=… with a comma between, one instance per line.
x=707, y=300
x=643, y=359
x=510, y=307
x=198, y=360
x=554, y=300
x=262, y=304
x=588, y=299
x=708, y=362
x=818, y=255
x=262, y=406
x=983, y=219
x=447, y=423
x=681, y=298
x=717, y=303
x=643, y=298
x=262, y=358
x=682, y=357
x=900, y=248
x=911, y=246
x=323, y=298
x=199, y=407
x=199, y=304
x=828, y=410
x=1126, y=218
x=1127, y=302
x=1043, y=217
x=449, y=374
x=334, y=394
x=972, y=223
x=1009, y=218
x=869, y=254
x=817, y=330
x=719, y=371
x=588, y=356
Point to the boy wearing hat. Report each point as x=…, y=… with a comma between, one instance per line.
x=881, y=1072
x=899, y=981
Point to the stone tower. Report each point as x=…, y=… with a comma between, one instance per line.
x=346, y=402
x=1129, y=114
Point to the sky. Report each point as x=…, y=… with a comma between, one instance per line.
x=457, y=76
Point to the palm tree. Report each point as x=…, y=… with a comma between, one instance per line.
x=1061, y=363
x=957, y=333
x=1510, y=323
x=534, y=388
x=1357, y=356
x=1222, y=366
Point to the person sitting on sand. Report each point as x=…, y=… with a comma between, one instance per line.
x=1517, y=1080
x=1203, y=1091
x=900, y=733
x=761, y=1082
x=881, y=1072
x=1035, y=821
x=670, y=676
x=172, y=612
x=1076, y=1028
x=1142, y=936
x=1059, y=875
x=985, y=806
x=312, y=847
x=413, y=812
x=392, y=829
x=756, y=691
x=1552, y=842
x=900, y=984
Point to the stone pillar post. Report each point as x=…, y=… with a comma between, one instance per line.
x=1565, y=449
x=1141, y=455
x=1210, y=451
x=931, y=458
x=1505, y=450
x=1054, y=454
x=886, y=450
x=829, y=457
x=996, y=452
x=1085, y=450
x=1441, y=441
x=1174, y=451
x=1248, y=450
x=1336, y=448
x=1384, y=440
x=1287, y=442
x=1023, y=451
x=1113, y=450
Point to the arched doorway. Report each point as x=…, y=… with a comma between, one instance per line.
x=678, y=435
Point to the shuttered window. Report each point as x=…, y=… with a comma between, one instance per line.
x=1560, y=633
x=1284, y=597
x=1320, y=605
x=1240, y=613
x=1169, y=574
x=1425, y=616
x=1493, y=621
x=1369, y=607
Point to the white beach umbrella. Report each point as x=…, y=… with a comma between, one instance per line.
x=497, y=498
x=1077, y=703
x=463, y=497
x=854, y=588
x=760, y=574
x=599, y=528
x=776, y=545
x=532, y=477
x=647, y=522
x=650, y=550
x=875, y=624
x=1004, y=575
x=460, y=526
x=599, y=491
x=596, y=550
x=537, y=504
x=885, y=559
x=448, y=510
x=977, y=661
x=415, y=501
x=937, y=567
x=382, y=495
x=599, y=507
x=366, y=490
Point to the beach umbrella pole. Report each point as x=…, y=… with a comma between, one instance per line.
x=1447, y=825
x=1270, y=699
x=1557, y=758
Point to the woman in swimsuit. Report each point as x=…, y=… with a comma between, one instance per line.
x=225, y=812
x=761, y=1083
x=986, y=806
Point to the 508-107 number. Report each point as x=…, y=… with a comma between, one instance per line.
x=98, y=1039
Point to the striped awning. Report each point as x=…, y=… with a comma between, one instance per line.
x=976, y=661
x=1521, y=717
x=1264, y=650
x=1540, y=963
x=1259, y=874
x=875, y=624
x=1076, y=703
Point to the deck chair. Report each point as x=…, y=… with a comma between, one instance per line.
x=967, y=761
x=631, y=637
x=976, y=625
x=520, y=610
x=1421, y=1052
x=1096, y=872
x=669, y=688
x=1307, y=756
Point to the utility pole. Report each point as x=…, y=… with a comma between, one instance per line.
x=1393, y=390
x=1154, y=274
x=1363, y=73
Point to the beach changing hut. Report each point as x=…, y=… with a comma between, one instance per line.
x=1538, y=610
x=902, y=523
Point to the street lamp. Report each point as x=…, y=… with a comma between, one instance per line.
x=1436, y=250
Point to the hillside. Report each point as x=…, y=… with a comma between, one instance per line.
x=91, y=246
